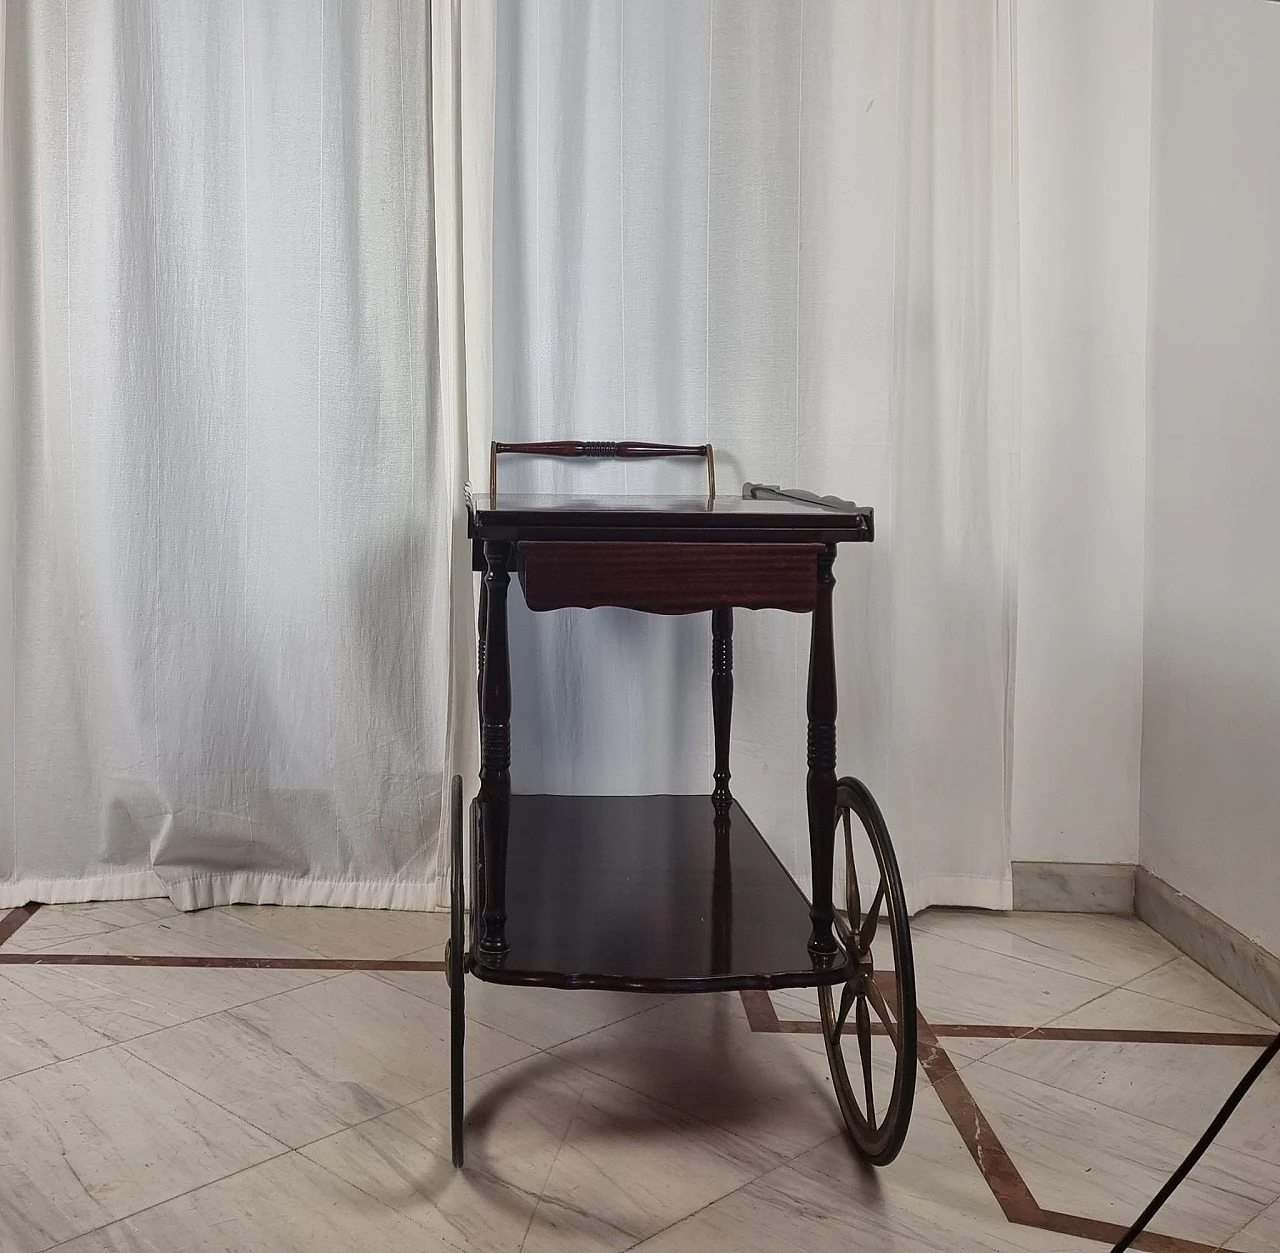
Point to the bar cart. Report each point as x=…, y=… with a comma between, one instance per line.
x=681, y=893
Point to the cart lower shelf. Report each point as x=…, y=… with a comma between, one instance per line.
x=649, y=893
x=662, y=893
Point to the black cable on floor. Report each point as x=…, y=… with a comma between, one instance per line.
x=1201, y=1145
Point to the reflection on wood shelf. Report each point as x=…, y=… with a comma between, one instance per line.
x=650, y=892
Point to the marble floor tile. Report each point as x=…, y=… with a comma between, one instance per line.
x=402, y=1160
x=289, y=1205
x=371, y=934
x=658, y=1123
x=413, y=978
x=51, y=925
x=802, y=1004
x=933, y=1180
x=965, y=984
x=1262, y=1235
x=791, y=1209
x=1079, y=1156
x=1178, y=1086
x=307, y=1063
x=698, y=1054
x=123, y=1002
x=541, y=1017
x=91, y=1140
x=1100, y=947
x=1184, y=983
x=965, y=1049
x=1136, y=1011
x=1119, y=1009
x=798, y=1004
x=605, y=1165
x=33, y=1033
x=205, y=933
x=57, y=924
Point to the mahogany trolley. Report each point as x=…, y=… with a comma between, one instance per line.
x=681, y=893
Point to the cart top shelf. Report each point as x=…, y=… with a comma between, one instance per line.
x=760, y=515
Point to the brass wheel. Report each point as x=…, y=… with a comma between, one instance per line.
x=874, y=1020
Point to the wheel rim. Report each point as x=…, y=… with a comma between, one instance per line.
x=455, y=966
x=871, y=1020
x=455, y=947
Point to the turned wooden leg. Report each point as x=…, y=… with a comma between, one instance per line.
x=495, y=750
x=722, y=700
x=821, y=783
x=480, y=626
x=722, y=897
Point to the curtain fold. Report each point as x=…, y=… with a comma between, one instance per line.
x=247, y=262
x=786, y=228
x=463, y=95
x=238, y=432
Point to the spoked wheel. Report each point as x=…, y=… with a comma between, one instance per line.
x=454, y=971
x=874, y=1021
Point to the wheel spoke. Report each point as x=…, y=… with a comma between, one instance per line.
x=869, y=923
x=844, y=928
x=846, y=1003
x=864, y=1048
x=852, y=897
x=876, y=997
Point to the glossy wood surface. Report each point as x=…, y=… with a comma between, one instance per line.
x=495, y=743
x=650, y=893
x=668, y=578
x=504, y=516
x=668, y=554
x=820, y=782
x=722, y=702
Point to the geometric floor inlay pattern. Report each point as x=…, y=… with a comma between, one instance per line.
x=999, y=1170
x=996, y=1164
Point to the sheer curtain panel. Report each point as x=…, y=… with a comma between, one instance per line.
x=234, y=432
x=787, y=228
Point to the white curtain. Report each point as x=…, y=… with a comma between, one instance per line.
x=241, y=339
x=786, y=227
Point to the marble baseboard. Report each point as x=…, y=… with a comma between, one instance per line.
x=1073, y=887
x=1245, y=967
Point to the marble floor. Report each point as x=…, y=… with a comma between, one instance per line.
x=270, y=1080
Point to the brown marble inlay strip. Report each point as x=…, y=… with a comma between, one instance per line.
x=15, y=918
x=997, y=1167
x=990, y=1156
x=1003, y=1177
x=763, y=1017
x=224, y=963
x=1108, y=1233
x=1111, y=1034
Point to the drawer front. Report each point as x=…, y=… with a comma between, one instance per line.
x=667, y=577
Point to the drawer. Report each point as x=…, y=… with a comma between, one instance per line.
x=667, y=577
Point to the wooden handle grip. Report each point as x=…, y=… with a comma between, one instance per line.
x=602, y=449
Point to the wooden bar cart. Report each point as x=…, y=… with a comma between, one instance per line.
x=681, y=893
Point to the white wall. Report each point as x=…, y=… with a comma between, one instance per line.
x=1211, y=741
x=1084, y=82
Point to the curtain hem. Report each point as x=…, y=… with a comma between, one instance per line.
x=129, y=885
x=255, y=888
x=960, y=892
x=237, y=888
x=956, y=891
